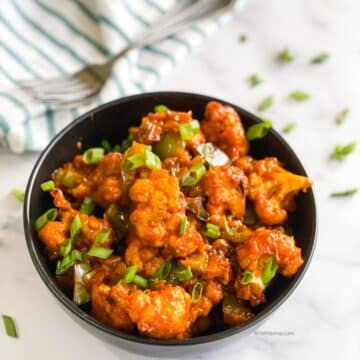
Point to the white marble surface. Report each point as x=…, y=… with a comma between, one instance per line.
x=323, y=314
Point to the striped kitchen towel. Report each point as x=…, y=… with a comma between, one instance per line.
x=47, y=38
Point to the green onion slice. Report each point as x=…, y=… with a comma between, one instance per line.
x=93, y=155
x=18, y=194
x=152, y=161
x=68, y=261
x=75, y=226
x=212, y=231
x=194, y=175
x=125, y=144
x=254, y=80
x=140, y=281
x=285, y=56
x=66, y=247
x=197, y=292
x=47, y=186
x=319, y=59
x=49, y=215
x=266, y=103
x=129, y=275
x=183, y=224
x=269, y=271
x=258, y=131
x=348, y=192
x=9, y=326
x=289, y=127
x=243, y=38
x=341, y=151
x=212, y=155
x=88, y=205
x=100, y=252
x=163, y=271
x=160, y=108
x=189, y=130
x=102, y=236
x=299, y=95
x=183, y=273
x=246, y=278
x=341, y=116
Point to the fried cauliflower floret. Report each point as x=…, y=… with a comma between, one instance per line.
x=253, y=254
x=160, y=207
x=226, y=188
x=109, y=305
x=54, y=233
x=222, y=127
x=101, y=182
x=272, y=189
x=161, y=314
x=147, y=259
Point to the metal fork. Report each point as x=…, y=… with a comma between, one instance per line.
x=80, y=87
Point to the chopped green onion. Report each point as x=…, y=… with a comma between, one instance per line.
x=47, y=186
x=230, y=230
x=102, y=236
x=254, y=80
x=66, y=178
x=212, y=231
x=100, y=252
x=269, y=271
x=319, y=59
x=212, y=155
x=266, y=103
x=341, y=151
x=135, y=161
x=140, y=281
x=194, y=175
x=49, y=215
x=88, y=205
x=348, y=192
x=75, y=226
x=341, y=116
x=9, y=326
x=93, y=155
x=18, y=194
x=106, y=145
x=68, y=261
x=81, y=295
x=258, y=131
x=152, y=161
x=183, y=224
x=125, y=144
x=66, y=247
x=246, y=278
x=289, y=127
x=130, y=274
x=197, y=291
x=299, y=95
x=243, y=38
x=189, y=130
x=160, y=108
x=285, y=56
x=163, y=271
x=183, y=273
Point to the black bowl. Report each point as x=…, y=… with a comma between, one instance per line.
x=111, y=121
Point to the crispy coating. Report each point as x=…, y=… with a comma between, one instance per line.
x=222, y=127
x=160, y=207
x=272, y=189
x=146, y=258
x=226, y=188
x=109, y=305
x=252, y=254
x=101, y=182
x=161, y=314
x=52, y=235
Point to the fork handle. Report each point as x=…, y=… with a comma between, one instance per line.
x=180, y=18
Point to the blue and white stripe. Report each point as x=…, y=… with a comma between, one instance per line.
x=47, y=38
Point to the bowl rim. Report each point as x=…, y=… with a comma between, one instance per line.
x=51, y=284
